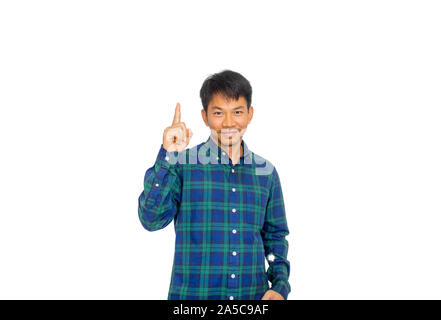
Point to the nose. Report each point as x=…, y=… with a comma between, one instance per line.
x=228, y=121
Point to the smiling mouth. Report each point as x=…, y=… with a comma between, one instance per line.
x=229, y=134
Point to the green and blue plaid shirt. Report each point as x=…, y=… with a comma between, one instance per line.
x=227, y=219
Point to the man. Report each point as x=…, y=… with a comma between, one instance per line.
x=225, y=200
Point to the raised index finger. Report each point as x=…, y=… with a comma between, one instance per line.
x=177, y=117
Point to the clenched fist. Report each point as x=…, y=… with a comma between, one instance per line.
x=177, y=136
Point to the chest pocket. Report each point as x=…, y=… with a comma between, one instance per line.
x=256, y=198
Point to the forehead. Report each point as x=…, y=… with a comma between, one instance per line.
x=220, y=101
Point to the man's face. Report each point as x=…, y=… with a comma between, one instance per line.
x=227, y=119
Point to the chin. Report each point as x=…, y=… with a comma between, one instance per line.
x=230, y=142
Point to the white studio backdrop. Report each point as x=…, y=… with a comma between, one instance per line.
x=347, y=106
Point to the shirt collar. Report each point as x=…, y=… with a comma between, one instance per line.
x=220, y=153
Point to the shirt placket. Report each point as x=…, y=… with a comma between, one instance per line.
x=233, y=270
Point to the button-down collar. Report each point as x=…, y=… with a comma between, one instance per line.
x=221, y=156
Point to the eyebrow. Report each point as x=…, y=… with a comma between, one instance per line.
x=219, y=108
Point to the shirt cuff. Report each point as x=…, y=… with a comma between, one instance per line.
x=165, y=158
x=163, y=166
x=283, y=288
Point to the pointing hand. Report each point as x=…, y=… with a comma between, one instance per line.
x=177, y=136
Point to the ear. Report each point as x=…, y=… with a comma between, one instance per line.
x=250, y=114
x=204, y=116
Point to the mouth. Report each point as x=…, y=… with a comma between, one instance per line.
x=229, y=134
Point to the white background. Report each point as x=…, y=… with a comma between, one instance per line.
x=347, y=106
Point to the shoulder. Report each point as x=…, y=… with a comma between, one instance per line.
x=267, y=171
x=262, y=165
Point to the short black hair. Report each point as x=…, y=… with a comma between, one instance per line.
x=228, y=83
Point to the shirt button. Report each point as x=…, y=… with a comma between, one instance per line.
x=234, y=253
x=217, y=158
x=157, y=185
x=231, y=298
x=234, y=210
x=167, y=158
x=234, y=189
x=270, y=257
x=232, y=170
x=223, y=153
x=233, y=276
x=234, y=231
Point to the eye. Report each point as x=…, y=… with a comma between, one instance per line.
x=218, y=113
x=239, y=112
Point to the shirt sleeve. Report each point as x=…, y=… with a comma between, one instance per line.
x=159, y=202
x=274, y=231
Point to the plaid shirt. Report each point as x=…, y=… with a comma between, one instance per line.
x=227, y=219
